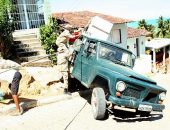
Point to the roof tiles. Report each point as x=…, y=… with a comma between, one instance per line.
x=81, y=19
x=132, y=32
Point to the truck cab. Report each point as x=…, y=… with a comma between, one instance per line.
x=107, y=69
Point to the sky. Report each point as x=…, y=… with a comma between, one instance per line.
x=130, y=9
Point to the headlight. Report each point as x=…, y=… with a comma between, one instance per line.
x=162, y=96
x=120, y=86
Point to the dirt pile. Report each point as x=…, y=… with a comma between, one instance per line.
x=37, y=82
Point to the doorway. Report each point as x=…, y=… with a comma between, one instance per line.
x=137, y=48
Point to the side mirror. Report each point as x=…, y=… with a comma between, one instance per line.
x=91, y=48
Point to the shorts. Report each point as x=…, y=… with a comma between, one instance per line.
x=14, y=86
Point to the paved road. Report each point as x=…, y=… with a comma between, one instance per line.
x=56, y=116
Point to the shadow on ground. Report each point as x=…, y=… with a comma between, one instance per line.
x=26, y=103
x=126, y=116
x=8, y=100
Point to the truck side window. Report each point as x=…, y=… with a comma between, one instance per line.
x=90, y=47
x=86, y=46
x=93, y=47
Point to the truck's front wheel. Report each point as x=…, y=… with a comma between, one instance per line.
x=98, y=103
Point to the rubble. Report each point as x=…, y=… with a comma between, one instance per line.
x=44, y=75
x=36, y=81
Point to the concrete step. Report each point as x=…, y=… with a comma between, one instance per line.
x=31, y=53
x=33, y=58
x=27, y=49
x=28, y=41
x=40, y=63
x=24, y=36
x=26, y=31
x=20, y=45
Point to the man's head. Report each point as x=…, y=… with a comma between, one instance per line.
x=68, y=26
x=79, y=30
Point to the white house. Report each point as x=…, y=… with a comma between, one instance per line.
x=136, y=39
x=28, y=14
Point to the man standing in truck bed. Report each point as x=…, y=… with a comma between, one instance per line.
x=63, y=54
x=62, y=63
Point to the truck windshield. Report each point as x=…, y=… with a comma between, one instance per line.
x=116, y=55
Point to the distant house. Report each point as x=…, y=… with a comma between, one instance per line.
x=160, y=50
x=136, y=40
x=81, y=19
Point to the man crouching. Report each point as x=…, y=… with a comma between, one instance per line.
x=13, y=77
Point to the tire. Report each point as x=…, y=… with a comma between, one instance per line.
x=98, y=103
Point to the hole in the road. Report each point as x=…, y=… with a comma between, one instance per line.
x=75, y=86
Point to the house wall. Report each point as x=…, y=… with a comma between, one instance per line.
x=143, y=64
x=27, y=14
x=131, y=43
x=47, y=11
x=123, y=28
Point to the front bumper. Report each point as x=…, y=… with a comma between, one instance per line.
x=130, y=103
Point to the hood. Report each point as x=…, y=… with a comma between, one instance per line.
x=125, y=71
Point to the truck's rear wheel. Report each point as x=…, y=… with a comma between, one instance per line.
x=98, y=103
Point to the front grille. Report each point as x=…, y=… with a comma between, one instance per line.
x=151, y=97
x=132, y=92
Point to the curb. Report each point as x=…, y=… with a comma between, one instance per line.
x=40, y=102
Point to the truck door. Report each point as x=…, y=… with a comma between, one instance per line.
x=83, y=66
x=88, y=59
x=77, y=73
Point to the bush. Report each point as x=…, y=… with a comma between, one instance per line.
x=6, y=29
x=48, y=36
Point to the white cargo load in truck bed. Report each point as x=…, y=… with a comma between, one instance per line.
x=100, y=28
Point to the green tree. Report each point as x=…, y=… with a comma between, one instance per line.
x=167, y=24
x=150, y=28
x=6, y=28
x=162, y=30
x=48, y=36
x=142, y=24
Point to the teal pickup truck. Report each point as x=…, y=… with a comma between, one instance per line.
x=107, y=70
